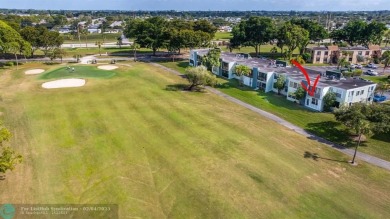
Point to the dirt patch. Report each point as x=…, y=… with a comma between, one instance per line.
x=108, y=67
x=34, y=71
x=63, y=83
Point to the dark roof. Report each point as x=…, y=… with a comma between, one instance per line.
x=319, y=48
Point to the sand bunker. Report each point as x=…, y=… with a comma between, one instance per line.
x=72, y=82
x=108, y=67
x=34, y=71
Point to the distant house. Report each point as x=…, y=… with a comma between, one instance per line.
x=353, y=54
x=94, y=29
x=116, y=24
x=265, y=72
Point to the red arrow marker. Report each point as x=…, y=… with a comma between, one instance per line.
x=313, y=88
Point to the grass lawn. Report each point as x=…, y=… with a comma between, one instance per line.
x=222, y=36
x=79, y=72
x=377, y=79
x=92, y=38
x=129, y=140
x=322, y=124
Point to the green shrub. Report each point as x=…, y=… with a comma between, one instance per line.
x=347, y=74
x=357, y=72
x=10, y=64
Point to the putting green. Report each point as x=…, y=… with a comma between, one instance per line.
x=79, y=71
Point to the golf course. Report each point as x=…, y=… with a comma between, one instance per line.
x=128, y=137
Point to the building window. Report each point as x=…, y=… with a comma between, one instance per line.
x=362, y=92
x=318, y=59
x=357, y=93
x=291, y=84
x=318, y=53
x=367, y=53
x=350, y=59
x=326, y=53
x=314, y=101
x=262, y=76
x=351, y=93
x=360, y=53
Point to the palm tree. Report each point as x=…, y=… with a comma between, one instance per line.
x=79, y=30
x=386, y=60
x=387, y=37
x=135, y=46
x=99, y=44
x=14, y=48
x=342, y=62
x=241, y=71
x=119, y=41
x=85, y=34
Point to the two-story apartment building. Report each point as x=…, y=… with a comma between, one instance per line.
x=355, y=54
x=265, y=72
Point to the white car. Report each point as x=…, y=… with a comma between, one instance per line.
x=359, y=66
x=352, y=66
x=371, y=65
x=372, y=72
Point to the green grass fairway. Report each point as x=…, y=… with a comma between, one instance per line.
x=223, y=36
x=79, y=72
x=158, y=153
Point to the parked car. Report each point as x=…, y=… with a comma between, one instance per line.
x=379, y=98
x=352, y=66
x=372, y=72
x=372, y=65
x=359, y=66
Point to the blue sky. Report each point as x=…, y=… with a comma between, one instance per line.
x=317, y=5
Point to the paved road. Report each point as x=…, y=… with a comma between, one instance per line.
x=362, y=156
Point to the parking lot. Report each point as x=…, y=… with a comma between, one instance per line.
x=324, y=68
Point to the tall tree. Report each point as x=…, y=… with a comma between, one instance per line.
x=316, y=32
x=135, y=47
x=150, y=33
x=359, y=32
x=8, y=157
x=354, y=119
x=238, y=38
x=99, y=45
x=280, y=83
x=31, y=35
x=206, y=27
x=258, y=31
x=292, y=36
x=11, y=41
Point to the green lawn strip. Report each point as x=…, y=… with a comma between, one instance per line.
x=321, y=124
x=377, y=79
x=92, y=38
x=79, y=71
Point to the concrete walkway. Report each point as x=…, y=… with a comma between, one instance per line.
x=362, y=156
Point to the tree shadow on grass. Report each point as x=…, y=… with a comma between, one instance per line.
x=183, y=87
x=331, y=132
x=385, y=137
x=176, y=87
x=316, y=157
